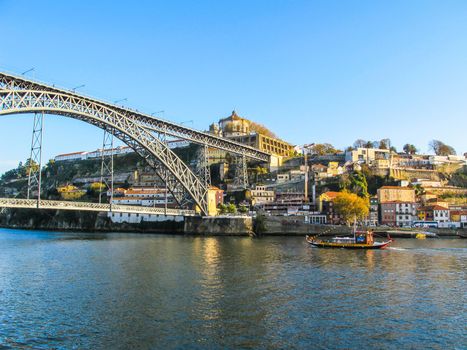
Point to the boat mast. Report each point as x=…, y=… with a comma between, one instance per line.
x=354, y=229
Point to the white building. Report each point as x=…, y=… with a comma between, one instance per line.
x=367, y=155
x=71, y=156
x=281, y=178
x=138, y=218
x=406, y=213
x=296, y=175
x=144, y=196
x=440, y=214
x=438, y=160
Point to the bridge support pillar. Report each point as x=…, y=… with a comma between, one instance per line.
x=241, y=172
x=107, y=165
x=203, y=169
x=35, y=159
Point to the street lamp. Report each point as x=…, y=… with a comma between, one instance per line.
x=29, y=70
x=121, y=100
x=158, y=112
x=78, y=87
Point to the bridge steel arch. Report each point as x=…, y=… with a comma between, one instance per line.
x=16, y=99
x=13, y=82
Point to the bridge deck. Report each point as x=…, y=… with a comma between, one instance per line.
x=85, y=206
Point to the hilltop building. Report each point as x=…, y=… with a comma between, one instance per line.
x=368, y=156
x=244, y=131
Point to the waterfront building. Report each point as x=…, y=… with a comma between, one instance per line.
x=388, y=213
x=434, y=213
x=316, y=218
x=406, y=213
x=373, y=216
x=215, y=199
x=326, y=206
x=139, y=218
x=458, y=217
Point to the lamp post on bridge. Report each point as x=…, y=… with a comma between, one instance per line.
x=78, y=87
x=28, y=71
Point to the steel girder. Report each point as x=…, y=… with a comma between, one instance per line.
x=12, y=82
x=125, y=127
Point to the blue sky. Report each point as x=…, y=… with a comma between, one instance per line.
x=312, y=71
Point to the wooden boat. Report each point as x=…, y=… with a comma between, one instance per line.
x=360, y=240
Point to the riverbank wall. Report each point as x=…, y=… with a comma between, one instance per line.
x=201, y=226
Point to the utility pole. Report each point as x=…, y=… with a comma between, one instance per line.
x=306, y=177
x=305, y=152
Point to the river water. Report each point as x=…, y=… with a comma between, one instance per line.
x=134, y=291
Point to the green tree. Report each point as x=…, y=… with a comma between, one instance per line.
x=383, y=144
x=243, y=209
x=97, y=187
x=355, y=182
x=322, y=149
x=222, y=209
x=409, y=148
x=231, y=208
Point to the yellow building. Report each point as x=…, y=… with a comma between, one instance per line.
x=215, y=198
x=326, y=197
x=70, y=192
x=265, y=143
x=395, y=193
x=334, y=169
x=381, y=163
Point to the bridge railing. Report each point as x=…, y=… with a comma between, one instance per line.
x=86, y=206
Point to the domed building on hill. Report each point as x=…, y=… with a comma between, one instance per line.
x=249, y=133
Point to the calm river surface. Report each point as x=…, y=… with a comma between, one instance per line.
x=133, y=291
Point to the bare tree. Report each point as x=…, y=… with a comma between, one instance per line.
x=441, y=149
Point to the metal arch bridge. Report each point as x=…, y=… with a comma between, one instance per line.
x=142, y=132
